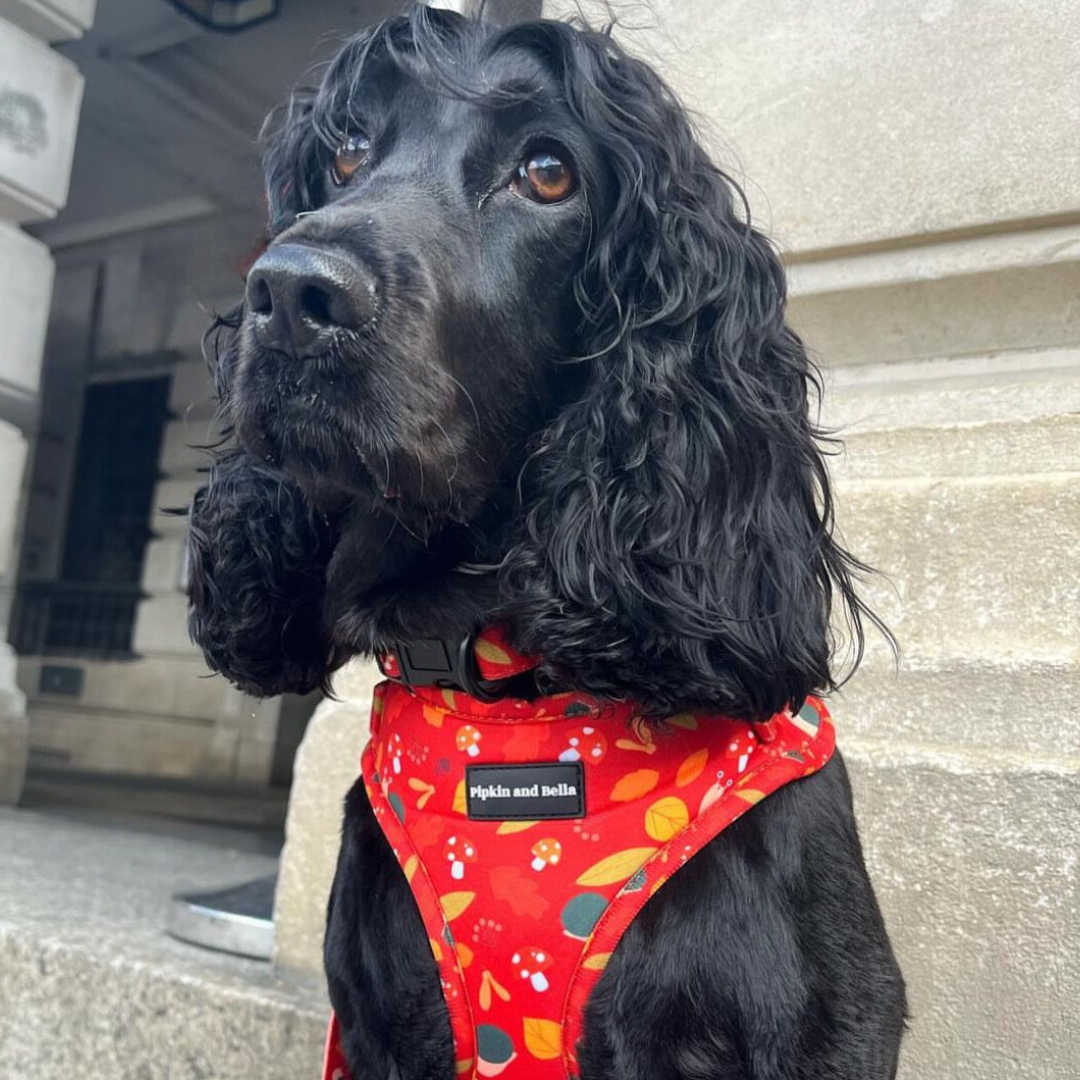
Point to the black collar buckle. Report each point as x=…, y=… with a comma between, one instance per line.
x=447, y=664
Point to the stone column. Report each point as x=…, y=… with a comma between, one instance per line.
x=40, y=95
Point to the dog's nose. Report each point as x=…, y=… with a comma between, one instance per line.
x=300, y=296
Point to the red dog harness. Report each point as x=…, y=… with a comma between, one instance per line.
x=532, y=833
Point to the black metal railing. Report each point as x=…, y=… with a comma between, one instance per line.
x=74, y=618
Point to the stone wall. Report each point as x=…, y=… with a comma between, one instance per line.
x=917, y=161
x=40, y=94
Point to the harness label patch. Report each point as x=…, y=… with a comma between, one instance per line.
x=525, y=792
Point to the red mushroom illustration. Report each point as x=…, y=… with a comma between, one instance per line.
x=546, y=852
x=586, y=744
x=459, y=851
x=397, y=748
x=468, y=740
x=740, y=749
x=531, y=965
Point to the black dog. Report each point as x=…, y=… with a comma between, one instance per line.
x=515, y=353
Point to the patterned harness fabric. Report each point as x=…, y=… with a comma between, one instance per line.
x=533, y=832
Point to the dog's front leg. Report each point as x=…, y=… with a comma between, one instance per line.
x=384, y=983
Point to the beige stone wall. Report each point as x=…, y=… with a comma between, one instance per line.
x=40, y=96
x=918, y=161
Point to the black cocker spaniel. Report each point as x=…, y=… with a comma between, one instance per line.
x=515, y=353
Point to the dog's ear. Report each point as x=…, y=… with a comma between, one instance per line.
x=257, y=558
x=678, y=539
x=293, y=161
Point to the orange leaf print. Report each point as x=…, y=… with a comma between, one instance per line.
x=617, y=867
x=459, y=798
x=411, y=863
x=455, y=903
x=491, y=652
x=524, y=743
x=426, y=791
x=434, y=716
x=508, y=827
x=751, y=795
x=465, y=954
x=512, y=887
x=692, y=767
x=666, y=818
x=543, y=1038
x=489, y=983
x=629, y=744
x=634, y=785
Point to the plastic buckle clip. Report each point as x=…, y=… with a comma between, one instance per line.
x=448, y=665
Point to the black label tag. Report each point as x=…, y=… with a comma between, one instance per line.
x=525, y=792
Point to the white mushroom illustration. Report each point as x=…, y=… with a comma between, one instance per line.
x=459, y=851
x=546, y=852
x=531, y=965
x=397, y=748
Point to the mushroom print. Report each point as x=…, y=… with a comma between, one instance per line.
x=468, y=740
x=546, y=853
x=531, y=964
x=586, y=744
x=739, y=750
x=397, y=748
x=459, y=851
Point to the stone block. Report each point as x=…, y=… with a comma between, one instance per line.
x=14, y=730
x=12, y=462
x=50, y=20
x=90, y=740
x=163, y=685
x=953, y=316
x=1011, y=707
x=974, y=864
x=972, y=568
x=26, y=276
x=40, y=97
x=1024, y=448
x=161, y=625
x=327, y=765
x=953, y=392
x=890, y=120
x=93, y=987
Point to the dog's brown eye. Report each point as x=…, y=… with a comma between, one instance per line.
x=350, y=156
x=545, y=178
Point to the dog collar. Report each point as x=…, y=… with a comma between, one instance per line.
x=481, y=664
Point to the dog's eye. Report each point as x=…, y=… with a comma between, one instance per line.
x=350, y=156
x=544, y=177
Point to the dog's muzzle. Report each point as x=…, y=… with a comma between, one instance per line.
x=300, y=299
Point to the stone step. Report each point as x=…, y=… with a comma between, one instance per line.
x=1022, y=707
x=947, y=589
x=953, y=391
x=92, y=986
x=1020, y=448
x=974, y=861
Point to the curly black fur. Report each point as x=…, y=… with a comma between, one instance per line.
x=670, y=534
x=588, y=420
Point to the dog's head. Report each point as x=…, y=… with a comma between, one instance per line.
x=411, y=324
x=511, y=313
